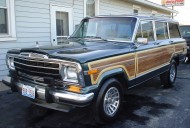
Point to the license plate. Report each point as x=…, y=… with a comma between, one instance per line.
x=28, y=91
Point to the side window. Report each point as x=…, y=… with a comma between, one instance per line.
x=145, y=30
x=174, y=31
x=139, y=32
x=82, y=30
x=161, y=30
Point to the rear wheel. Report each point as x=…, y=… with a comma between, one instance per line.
x=168, y=78
x=109, y=101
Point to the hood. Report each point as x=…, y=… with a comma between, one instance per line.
x=82, y=50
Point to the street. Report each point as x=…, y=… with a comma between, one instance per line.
x=146, y=106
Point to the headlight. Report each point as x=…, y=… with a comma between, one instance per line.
x=69, y=74
x=10, y=62
x=72, y=72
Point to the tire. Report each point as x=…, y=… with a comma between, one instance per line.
x=107, y=108
x=168, y=77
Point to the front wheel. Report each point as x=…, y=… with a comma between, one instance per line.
x=168, y=78
x=109, y=101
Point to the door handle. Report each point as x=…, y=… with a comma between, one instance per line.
x=171, y=42
x=156, y=43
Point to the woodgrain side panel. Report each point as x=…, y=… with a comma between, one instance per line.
x=126, y=62
x=179, y=48
x=147, y=60
x=139, y=63
x=150, y=60
x=167, y=53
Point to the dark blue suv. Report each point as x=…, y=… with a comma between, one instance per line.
x=185, y=31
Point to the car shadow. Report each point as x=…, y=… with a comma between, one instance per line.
x=138, y=108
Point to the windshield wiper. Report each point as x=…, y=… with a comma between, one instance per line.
x=95, y=37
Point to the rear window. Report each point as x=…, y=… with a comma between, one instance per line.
x=174, y=31
x=185, y=30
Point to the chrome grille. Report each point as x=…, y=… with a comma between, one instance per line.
x=37, y=67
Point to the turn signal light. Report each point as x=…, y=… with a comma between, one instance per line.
x=94, y=71
x=74, y=88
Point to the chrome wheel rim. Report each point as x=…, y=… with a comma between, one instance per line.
x=172, y=73
x=111, y=101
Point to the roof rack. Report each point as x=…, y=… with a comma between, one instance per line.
x=151, y=14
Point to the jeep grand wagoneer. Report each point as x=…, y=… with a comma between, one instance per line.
x=96, y=65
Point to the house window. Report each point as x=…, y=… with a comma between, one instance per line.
x=91, y=8
x=136, y=9
x=7, y=20
x=3, y=19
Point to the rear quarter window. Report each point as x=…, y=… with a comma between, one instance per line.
x=174, y=31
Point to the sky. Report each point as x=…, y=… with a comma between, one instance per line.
x=184, y=12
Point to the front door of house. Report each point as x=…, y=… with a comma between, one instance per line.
x=61, y=23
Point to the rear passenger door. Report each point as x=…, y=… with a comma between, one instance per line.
x=148, y=55
x=163, y=42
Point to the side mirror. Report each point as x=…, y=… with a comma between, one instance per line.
x=142, y=40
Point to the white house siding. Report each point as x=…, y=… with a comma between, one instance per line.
x=33, y=24
x=119, y=7
x=114, y=7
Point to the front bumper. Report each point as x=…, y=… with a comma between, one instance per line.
x=52, y=98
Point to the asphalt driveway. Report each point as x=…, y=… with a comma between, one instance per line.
x=146, y=106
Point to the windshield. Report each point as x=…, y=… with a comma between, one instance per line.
x=185, y=30
x=107, y=28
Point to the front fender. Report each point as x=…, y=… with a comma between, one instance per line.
x=110, y=74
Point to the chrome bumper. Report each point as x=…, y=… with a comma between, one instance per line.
x=58, y=96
